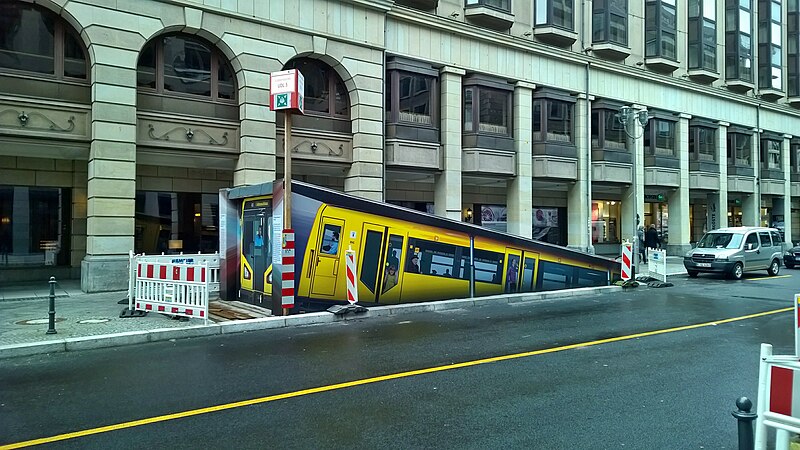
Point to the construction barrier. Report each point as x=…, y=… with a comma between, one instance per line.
x=352, y=287
x=657, y=264
x=287, y=275
x=627, y=261
x=211, y=259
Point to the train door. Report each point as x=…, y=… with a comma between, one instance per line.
x=325, y=257
x=513, y=260
x=379, y=270
x=528, y=282
x=256, y=248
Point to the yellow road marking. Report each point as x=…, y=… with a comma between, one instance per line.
x=768, y=278
x=364, y=381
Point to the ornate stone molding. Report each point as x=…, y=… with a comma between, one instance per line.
x=314, y=147
x=27, y=120
x=188, y=134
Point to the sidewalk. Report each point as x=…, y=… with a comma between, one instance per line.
x=89, y=321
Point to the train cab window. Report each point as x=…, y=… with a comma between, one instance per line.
x=553, y=276
x=527, y=275
x=394, y=254
x=488, y=266
x=512, y=273
x=330, y=240
x=765, y=242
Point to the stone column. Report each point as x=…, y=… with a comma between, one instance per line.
x=787, y=188
x=717, y=211
x=257, y=141
x=520, y=189
x=636, y=189
x=578, y=201
x=21, y=221
x=365, y=177
x=447, y=187
x=111, y=187
x=751, y=204
x=678, y=206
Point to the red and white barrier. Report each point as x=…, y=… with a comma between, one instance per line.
x=627, y=260
x=778, y=398
x=352, y=288
x=287, y=274
x=797, y=325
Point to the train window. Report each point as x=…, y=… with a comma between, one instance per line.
x=527, y=275
x=370, y=259
x=553, y=276
x=431, y=258
x=248, y=233
x=330, y=239
x=591, y=278
x=393, y=256
x=488, y=266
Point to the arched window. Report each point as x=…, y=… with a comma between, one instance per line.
x=325, y=94
x=185, y=65
x=33, y=39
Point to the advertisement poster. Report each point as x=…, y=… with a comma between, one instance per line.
x=494, y=217
x=545, y=225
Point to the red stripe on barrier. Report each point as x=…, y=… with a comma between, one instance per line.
x=202, y=313
x=287, y=276
x=149, y=271
x=161, y=308
x=175, y=310
x=203, y=275
x=350, y=276
x=190, y=274
x=139, y=270
x=176, y=273
x=289, y=244
x=780, y=391
x=350, y=295
x=288, y=260
x=148, y=307
x=287, y=291
x=162, y=272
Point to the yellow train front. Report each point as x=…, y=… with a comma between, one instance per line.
x=402, y=255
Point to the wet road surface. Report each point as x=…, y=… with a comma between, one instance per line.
x=671, y=390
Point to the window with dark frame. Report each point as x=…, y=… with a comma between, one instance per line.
x=35, y=40
x=500, y=5
x=739, y=40
x=771, y=153
x=659, y=137
x=325, y=93
x=185, y=65
x=610, y=22
x=607, y=132
x=556, y=13
x=793, y=47
x=702, y=36
x=553, y=120
x=416, y=103
x=770, y=60
x=660, y=29
x=739, y=149
x=490, y=108
x=702, y=143
x=794, y=156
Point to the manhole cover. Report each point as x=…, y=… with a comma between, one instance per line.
x=38, y=321
x=94, y=321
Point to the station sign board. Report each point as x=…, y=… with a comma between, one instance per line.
x=286, y=91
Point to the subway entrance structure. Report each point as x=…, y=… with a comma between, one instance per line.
x=402, y=255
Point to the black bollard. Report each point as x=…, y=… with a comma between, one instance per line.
x=745, y=418
x=51, y=327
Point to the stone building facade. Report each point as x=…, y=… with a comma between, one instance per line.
x=121, y=119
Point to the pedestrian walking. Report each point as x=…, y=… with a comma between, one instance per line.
x=651, y=239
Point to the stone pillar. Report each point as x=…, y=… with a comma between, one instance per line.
x=111, y=187
x=578, y=201
x=635, y=190
x=717, y=211
x=678, y=201
x=447, y=187
x=787, y=186
x=21, y=221
x=520, y=189
x=257, y=141
x=365, y=177
x=751, y=204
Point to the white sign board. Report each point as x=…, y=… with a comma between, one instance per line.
x=657, y=264
x=283, y=81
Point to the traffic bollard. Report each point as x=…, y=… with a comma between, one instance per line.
x=745, y=419
x=51, y=327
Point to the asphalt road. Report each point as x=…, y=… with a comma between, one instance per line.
x=669, y=390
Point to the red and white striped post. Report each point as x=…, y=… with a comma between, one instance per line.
x=627, y=257
x=287, y=274
x=352, y=290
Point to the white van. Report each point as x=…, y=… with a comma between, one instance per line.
x=733, y=251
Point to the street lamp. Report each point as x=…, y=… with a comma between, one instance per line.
x=628, y=117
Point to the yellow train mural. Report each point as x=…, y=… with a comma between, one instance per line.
x=402, y=255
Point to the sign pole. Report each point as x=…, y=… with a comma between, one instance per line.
x=287, y=179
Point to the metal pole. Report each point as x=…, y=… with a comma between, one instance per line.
x=745, y=419
x=51, y=327
x=471, y=266
x=287, y=178
x=633, y=119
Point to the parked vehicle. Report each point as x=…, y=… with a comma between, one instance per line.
x=733, y=251
x=792, y=257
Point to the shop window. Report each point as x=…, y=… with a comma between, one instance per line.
x=660, y=29
x=172, y=222
x=702, y=37
x=556, y=13
x=610, y=22
x=606, y=222
x=738, y=40
x=185, y=65
x=35, y=40
x=45, y=244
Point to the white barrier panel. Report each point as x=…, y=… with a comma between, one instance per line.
x=627, y=260
x=212, y=260
x=778, y=398
x=657, y=264
x=177, y=289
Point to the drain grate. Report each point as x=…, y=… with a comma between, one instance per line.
x=38, y=321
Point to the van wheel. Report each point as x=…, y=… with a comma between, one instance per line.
x=692, y=273
x=774, y=268
x=736, y=272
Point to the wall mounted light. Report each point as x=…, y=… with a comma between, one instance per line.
x=468, y=215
